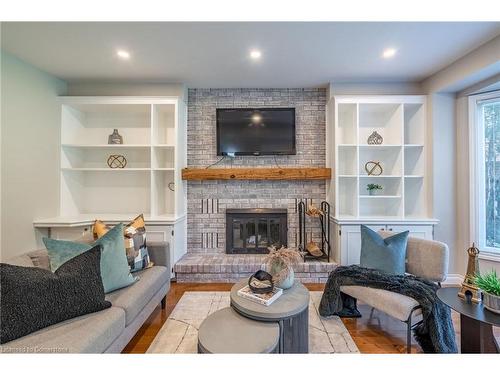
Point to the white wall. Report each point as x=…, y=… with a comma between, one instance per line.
x=478, y=65
x=358, y=88
x=30, y=121
x=127, y=89
x=464, y=239
x=441, y=114
x=465, y=74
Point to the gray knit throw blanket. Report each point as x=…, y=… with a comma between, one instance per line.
x=434, y=333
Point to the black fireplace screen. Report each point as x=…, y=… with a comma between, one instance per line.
x=252, y=231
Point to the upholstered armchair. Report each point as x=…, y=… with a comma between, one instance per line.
x=424, y=258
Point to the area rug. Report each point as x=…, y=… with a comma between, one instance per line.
x=179, y=334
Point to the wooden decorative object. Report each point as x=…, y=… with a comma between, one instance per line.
x=468, y=289
x=373, y=168
x=314, y=211
x=313, y=249
x=256, y=174
x=117, y=161
x=375, y=139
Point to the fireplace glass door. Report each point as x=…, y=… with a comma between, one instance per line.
x=252, y=233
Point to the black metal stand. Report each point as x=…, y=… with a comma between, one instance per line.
x=324, y=220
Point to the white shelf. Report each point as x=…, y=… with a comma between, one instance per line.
x=106, y=169
x=88, y=219
x=381, y=196
x=401, y=121
x=164, y=146
x=381, y=147
x=153, y=131
x=106, y=146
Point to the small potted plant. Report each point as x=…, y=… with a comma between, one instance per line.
x=489, y=284
x=279, y=263
x=372, y=188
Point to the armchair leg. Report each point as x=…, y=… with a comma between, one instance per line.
x=408, y=335
x=408, y=329
x=164, y=303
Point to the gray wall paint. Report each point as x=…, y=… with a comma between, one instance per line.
x=206, y=223
x=30, y=152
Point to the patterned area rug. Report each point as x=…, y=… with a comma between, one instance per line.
x=179, y=334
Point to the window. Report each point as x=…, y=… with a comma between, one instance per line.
x=485, y=177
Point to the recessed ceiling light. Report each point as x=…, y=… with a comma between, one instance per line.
x=122, y=54
x=255, y=54
x=388, y=53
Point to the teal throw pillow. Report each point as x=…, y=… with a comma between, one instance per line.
x=385, y=254
x=115, y=271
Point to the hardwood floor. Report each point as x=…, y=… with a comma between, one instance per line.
x=374, y=332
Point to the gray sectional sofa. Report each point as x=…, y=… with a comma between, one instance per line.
x=107, y=331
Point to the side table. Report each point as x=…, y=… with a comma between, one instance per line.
x=476, y=323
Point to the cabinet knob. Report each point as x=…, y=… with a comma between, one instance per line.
x=232, y=176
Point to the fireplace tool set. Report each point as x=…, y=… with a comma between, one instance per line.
x=310, y=249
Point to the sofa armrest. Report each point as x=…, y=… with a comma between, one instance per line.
x=159, y=252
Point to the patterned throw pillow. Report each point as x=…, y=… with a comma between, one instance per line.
x=136, y=248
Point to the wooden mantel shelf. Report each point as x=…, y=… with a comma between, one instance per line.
x=256, y=173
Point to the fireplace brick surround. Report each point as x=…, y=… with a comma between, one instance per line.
x=208, y=200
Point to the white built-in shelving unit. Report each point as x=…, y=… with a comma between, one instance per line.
x=401, y=121
x=154, y=134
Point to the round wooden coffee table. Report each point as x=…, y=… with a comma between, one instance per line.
x=476, y=323
x=290, y=311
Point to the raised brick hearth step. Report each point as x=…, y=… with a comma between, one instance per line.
x=231, y=268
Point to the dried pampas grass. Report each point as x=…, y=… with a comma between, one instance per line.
x=283, y=260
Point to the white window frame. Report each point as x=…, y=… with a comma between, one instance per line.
x=476, y=182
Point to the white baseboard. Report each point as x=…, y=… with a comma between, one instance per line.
x=453, y=279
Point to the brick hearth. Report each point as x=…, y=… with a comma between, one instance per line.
x=228, y=268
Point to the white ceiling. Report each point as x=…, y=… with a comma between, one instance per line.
x=216, y=54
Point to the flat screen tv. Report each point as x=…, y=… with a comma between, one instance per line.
x=256, y=131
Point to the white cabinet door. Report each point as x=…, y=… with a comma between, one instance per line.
x=162, y=233
x=419, y=231
x=350, y=239
x=77, y=234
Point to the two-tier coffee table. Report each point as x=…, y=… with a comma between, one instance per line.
x=290, y=311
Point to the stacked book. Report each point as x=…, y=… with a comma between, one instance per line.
x=262, y=298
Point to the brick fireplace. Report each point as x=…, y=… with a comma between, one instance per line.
x=209, y=201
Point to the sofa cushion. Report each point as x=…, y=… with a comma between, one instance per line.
x=396, y=305
x=91, y=333
x=40, y=258
x=33, y=298
x=135, y=297
x=21, y=261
